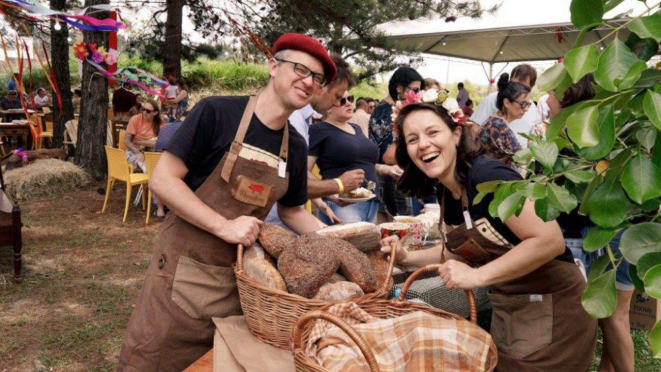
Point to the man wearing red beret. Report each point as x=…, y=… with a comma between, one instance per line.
x=230, y=161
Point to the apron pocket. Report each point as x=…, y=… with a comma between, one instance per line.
x=205, y=291
x=521, y=324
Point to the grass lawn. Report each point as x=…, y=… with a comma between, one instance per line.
x=82, y=273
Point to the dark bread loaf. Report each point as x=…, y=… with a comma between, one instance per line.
x=310, y=264
x=354, y=265
x=379, y=263
x=275, y=239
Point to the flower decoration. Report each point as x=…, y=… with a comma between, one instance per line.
x=80, y=50
x=97, y=57
x=430, y=96
x=452, y=106
x=111, y=57
x=22, y=153
x=412, y=97
x=102, y=51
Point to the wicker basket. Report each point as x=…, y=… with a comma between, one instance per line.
x=379, y=308
x=271, y=314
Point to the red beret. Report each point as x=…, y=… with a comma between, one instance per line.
x=310, y=46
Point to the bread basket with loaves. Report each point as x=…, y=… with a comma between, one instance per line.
x=271, y=311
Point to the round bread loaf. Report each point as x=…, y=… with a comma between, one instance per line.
x=275, y=239
x=339, y=291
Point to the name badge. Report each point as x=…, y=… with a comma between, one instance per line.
x=282, y=169
x=467, y=220
x=249, y=191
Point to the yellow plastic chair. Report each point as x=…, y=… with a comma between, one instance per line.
x=49, y=132
x=46, y=110
x=120, y=140
x=151, y=158
x=118, y=170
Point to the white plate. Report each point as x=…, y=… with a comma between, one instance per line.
x=356, y=200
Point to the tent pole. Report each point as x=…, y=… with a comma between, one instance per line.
x=490, y=77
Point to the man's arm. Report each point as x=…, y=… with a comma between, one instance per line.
x=167, y=182
x=298, y=219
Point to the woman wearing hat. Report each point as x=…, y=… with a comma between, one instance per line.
x=220, y=174
x=538, y=321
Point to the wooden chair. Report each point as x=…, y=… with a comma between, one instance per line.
x=2, y=147
x=71, y=133
x=118, y=170
x=111, y=113
x=10, y=228
x=151, y=159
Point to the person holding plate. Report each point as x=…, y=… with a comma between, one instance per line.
x=338, y=146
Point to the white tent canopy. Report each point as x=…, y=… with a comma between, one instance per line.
x=506, y=44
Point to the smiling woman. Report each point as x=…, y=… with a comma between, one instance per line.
x=538, y=321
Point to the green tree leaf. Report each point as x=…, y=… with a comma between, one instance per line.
x=653, y=281
x=592, y=187
x=609, y=5
x=598, y=267
x=598, y=238
x=655, y=340
x=600, y=297
x=532, y=191
x=552, y=77
x=510, y=206
x=608, y=204
x=637, y=282
x=639, y=240
x=633, y=75
x=582, y=127
x=647, y=27
x=641, y=179
x=545, y=210
x=581, y=61
x=545, y=152
x=586, y=13
x=501, y=194
x=558, y=122
x=580, y=176
x=606, y=127
x=647, y=137
x=646, y=262
x=652, y=107
x=648, y=78
x=560, y=198
x=523, y=156
x=488, y=186
x=644, y=49
x=614, y=63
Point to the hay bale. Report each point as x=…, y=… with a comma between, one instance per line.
x=44, y=177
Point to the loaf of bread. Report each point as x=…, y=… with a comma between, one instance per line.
x=336, y=278
x=363, y=235
x=260, y=266
x=355, y=265
x=339, y=291
x=309, y=264
x=275, y=239
x=379, y=263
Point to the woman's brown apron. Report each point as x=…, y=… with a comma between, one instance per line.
x=538, y=321
x=190, y=278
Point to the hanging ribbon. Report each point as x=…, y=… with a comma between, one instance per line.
x=79, y=20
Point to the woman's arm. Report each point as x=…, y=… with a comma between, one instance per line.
x=417, y=259
x=540, y=243
x=180, y=97
x=389, y=155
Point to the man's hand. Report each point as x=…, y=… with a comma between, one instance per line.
x=241, y=230
x=352, y=179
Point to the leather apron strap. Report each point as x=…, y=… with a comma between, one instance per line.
x=237, y=144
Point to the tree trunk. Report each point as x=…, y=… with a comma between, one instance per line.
x=60, y=59
x=172, y=45
x=93, y=124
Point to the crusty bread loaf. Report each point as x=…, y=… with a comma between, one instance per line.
x=260, y=266
x=339, y=291
x=354, y=265
x=363, y=235
x=336, y=278
x=379, y=263
x=275, y=239
x=309, y=264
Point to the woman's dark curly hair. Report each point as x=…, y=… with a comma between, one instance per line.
x=414, y=182
x=403, y=76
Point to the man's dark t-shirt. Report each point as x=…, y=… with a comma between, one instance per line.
x=208, y=131
x=485, y=169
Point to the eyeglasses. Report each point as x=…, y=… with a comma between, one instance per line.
x=148, y=111
x=524, y=104
x=343, y=100
x=303, y=71
x=415, y=90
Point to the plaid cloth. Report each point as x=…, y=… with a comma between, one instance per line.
x=414, y=342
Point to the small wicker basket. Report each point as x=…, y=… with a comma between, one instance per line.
x=379, y=308
x=271, y=314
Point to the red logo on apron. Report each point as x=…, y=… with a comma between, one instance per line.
x=259, y=189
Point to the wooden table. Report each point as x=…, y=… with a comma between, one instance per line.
x=16, y=130
x=147, y=143
x=204, y=364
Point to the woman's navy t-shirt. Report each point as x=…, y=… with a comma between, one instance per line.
x=338, y=151
x=485, y=169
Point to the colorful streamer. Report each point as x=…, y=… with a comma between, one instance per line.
x=79, y=20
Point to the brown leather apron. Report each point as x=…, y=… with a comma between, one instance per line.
x=538, y=322
x=190, y=278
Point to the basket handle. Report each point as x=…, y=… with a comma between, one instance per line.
x=239, y=258
x=297, y=334
x=391, y=267
x=430, y=268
